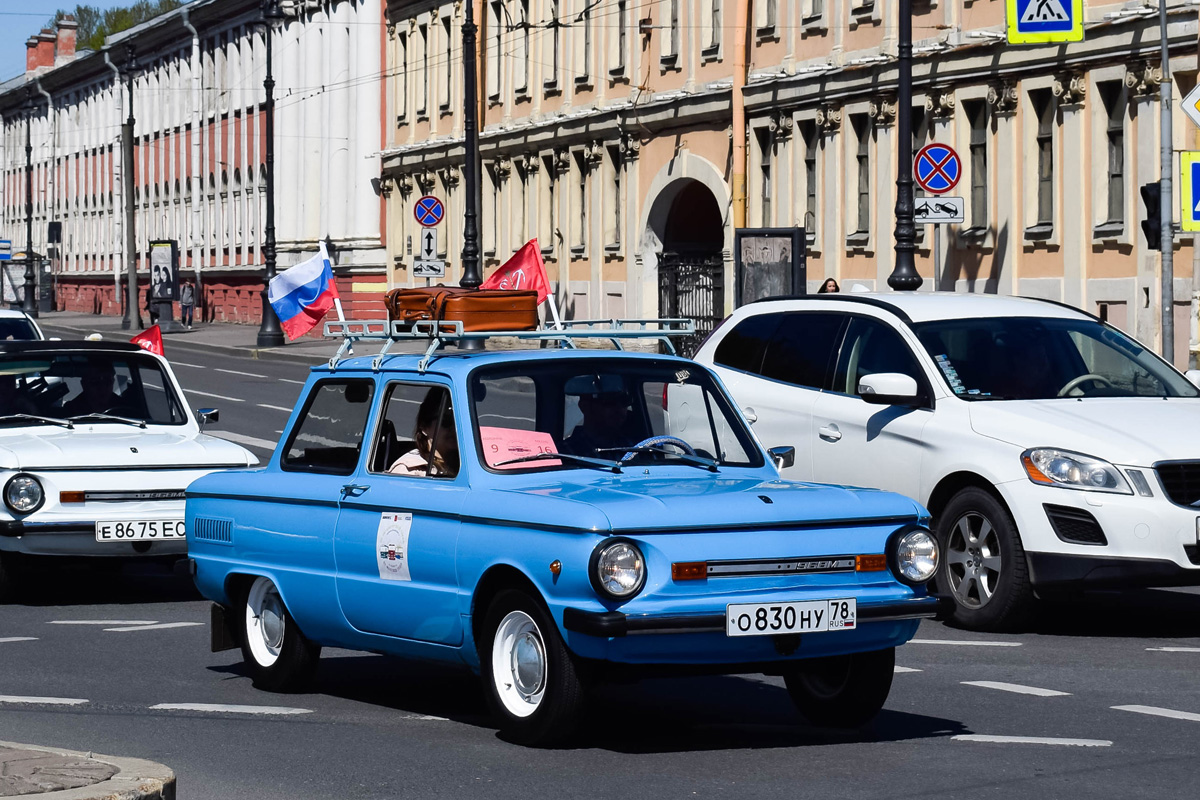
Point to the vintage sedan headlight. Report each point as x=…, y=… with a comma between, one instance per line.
x=618, y=569
x=914, y=555
x=1051, y=467
x=23, y=494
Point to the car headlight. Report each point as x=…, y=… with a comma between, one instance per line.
x=618, y=569
x=1069, y=470
x=23, y=494
x=914, y=555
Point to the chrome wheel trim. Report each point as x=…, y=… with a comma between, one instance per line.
x=973, y=563
x=266, y=622
x=519, y=664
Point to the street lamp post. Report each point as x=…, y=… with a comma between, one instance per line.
x=270, y=334
x=133, y=313
x=471, y=173
x=29, y=305
x=904, y=277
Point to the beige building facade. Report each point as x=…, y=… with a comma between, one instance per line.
x=607, y=132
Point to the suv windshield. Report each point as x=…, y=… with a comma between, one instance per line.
x=18, y=329
x=600, y=409
x=67, y=385
x=1029, y=358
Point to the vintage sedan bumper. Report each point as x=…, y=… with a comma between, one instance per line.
x=78, y=538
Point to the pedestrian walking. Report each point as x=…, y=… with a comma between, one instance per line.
x=187, y=302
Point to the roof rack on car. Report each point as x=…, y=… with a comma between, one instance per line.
x=441, y=332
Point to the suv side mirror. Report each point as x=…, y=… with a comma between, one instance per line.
x=784, y=456
x=1193, y=375
x=888, y=389
x=207, y=415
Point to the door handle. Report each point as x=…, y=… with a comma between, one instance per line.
x=830, y=433
x=751, y=417
x=353, y=490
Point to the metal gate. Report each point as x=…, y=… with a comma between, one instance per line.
x=692, y=285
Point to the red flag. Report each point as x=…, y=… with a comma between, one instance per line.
x=525, y=270
x=150, y=339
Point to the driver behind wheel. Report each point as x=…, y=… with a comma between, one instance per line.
x=604, y=404
x=97, y=393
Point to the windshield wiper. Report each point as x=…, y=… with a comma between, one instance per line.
x=98, y=415
x=590, y=462
x=48, y=420
x=696, y=461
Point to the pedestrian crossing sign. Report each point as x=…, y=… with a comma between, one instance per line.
x=1045, y=21
x=1189, y=190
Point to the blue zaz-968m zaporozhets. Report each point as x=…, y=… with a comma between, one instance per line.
x=551, y=518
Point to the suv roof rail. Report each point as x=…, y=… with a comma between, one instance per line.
x=441, y=332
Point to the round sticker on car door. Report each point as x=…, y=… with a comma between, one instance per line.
x=391, y=545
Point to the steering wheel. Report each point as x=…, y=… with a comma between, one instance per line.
x=1075, y=383
x=655, y=440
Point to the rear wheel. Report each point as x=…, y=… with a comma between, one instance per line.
x=842, y=691
x=529, y=675
x=277, y=654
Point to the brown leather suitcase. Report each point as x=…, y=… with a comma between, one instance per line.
x=477, y=309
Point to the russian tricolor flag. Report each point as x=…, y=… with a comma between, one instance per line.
x=302, y=294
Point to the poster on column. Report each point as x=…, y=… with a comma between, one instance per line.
x=164, y=270
x=14, y=282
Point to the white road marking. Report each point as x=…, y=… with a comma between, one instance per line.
x=899, y=670
x=102, y=621
x=230, y=709
x=218, y=396
x=1017, y=688
x=160, y=626
x=275, y=408
x=235, y=372
x=1175, y=649
x=241, y=438
x=976, y=737
x=1160, y=712
x=182, y=364
x=45, y=701
x=18, y=639
x=425, y=717
x=289, y=380
x=964, y=643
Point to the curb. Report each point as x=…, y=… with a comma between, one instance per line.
x=136, y=778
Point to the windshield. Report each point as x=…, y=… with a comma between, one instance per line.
x=601, y=409
x=1027, y=358
x=17, y=329
x=64, y=386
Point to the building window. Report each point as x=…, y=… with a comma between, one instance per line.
x=493, y=52
x=977, y=118
x=447, y=91
x=812, y=139
x=423, y=89
x=555, y=27
x=1114, y=109
x=670, y=36
x=764, y=165
x=619, y=43
x=579, y=210
x=612, y=233
x=546, y=201
x=401, y=77
x=710, y=27
x=491, y=213
x=583, y=26
x=521, y=79
x=1043, y=109
x=765, y=16
x=862, y=159
x=813, y=9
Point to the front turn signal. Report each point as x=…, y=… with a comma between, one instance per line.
x=689, y=570
x=871, y=563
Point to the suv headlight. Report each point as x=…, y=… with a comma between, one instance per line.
x=618, y=569
x=1069, y=470
x=23, y=494
x=914, y=555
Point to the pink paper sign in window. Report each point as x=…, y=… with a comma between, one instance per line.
x=506, y=444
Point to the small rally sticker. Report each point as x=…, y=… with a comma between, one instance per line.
x=391, y=545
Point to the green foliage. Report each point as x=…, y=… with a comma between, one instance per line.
x=95, y=25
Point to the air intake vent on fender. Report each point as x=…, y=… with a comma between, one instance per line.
x=210, y=529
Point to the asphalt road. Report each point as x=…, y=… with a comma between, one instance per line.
x=1106, y=689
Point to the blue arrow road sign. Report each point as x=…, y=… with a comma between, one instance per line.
x=429, y=211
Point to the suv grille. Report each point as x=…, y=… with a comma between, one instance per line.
x=1181, y=481
x=214, y=530
x=1075, y=525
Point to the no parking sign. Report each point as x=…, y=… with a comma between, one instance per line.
x=937, y=168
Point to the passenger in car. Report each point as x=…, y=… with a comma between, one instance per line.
x=436, y=451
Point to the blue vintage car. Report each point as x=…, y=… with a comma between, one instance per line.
x=551, y=518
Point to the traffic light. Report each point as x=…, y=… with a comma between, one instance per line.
x=1152, y=224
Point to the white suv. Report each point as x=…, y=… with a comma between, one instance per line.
x=1052, y=450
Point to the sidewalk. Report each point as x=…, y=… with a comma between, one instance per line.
x=27, y=770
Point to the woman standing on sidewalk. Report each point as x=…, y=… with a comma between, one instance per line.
x=187, y=302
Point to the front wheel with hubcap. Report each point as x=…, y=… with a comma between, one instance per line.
x=277, y=654
x=529, y=675
x=985, y=570
x=842, y=691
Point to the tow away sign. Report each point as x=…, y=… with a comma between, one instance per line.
x=1045, y=21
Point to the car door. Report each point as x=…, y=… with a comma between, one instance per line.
x=778, y=392
x=397, y=531
x=859, y=444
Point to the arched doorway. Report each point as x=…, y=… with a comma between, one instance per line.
x=691, y=270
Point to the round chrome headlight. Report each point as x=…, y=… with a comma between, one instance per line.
x=916, y=556
x=618, y=569
x=23, y=494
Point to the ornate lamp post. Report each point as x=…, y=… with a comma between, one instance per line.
x=471, y=277
x=133, y=312
x=270, y=334
x=904, y=276
x=29, y=305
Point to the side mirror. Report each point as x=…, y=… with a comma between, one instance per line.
x=784, y=456
x=888, y=389
x=1193, y=375
x=207, y=415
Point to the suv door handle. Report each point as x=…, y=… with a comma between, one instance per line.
x=353, y=490
x=830, y=433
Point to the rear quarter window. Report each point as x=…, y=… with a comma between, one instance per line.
x=743, y=347
x=328, y=436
